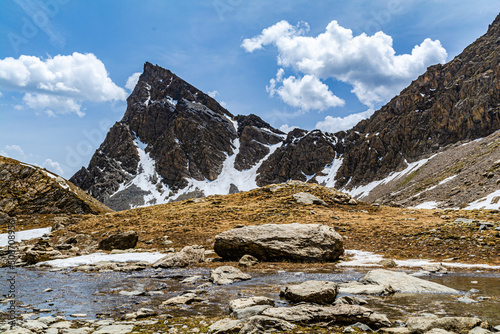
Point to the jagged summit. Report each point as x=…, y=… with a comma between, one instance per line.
x=175, y=141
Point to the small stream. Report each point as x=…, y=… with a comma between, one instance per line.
x=98, y=294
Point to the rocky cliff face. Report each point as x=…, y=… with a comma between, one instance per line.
x=176, y=142
x=27, y=189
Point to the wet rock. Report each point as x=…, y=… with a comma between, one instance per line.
x=340, y=314
x=226, y=326
x=400, y=282
x=184, y=299
x=78, y=315
x=240, y=303
x=319, y=292
x=262, y=324
x=188, y=256
x=124, y=240
x=248, y=261
x=454, y=324
x=278, y=242
x=350, y=300
x=132, y=293
x=227, y=275
x=307, y=198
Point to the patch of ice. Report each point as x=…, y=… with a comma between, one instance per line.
x=492, y=201
x=363, y=191
x=330, y=171
x=369, y=259
x=24, y=235
x=97, y=257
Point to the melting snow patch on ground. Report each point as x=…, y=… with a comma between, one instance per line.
x=24, y=235
x=492, y=201
x=98, y=257
x=427, y=205
x=369, y=259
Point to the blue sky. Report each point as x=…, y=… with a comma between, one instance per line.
x=64, y=64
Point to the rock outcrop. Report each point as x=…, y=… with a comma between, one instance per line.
x=26, y=189
x=273, y=242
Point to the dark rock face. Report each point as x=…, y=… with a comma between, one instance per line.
x=174, y=137
x=119, y=241
x=27, y=189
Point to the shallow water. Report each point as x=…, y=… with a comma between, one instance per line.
x=97, y=294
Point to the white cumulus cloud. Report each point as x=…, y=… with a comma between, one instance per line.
x=13, y=152
x=335, y=124
x=305, y=93
x=286, y=128
x=53, y=166
x=60, y=84
x=213, y=94
x=368, y=63
x=132, y=81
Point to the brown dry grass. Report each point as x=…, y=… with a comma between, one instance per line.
x=394, y=232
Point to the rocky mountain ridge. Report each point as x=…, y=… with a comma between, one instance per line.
x=175, y=142
x=26, y=189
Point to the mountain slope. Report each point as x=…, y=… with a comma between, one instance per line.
x=27, y=189
x=175, y=142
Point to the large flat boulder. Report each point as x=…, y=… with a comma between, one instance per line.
x=275, y=242
x=339, y=314
x=319, y=292
x=402, y=282
x=453, y=324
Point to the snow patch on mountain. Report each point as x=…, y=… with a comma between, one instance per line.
x=363, y=191
x=492, y=201
x=330, y=171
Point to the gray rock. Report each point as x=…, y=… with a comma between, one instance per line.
x=248, y=261
x=188, y=256
x=132, y=293
x=81, y=330
x=438, y=331
x=278, y=242
x=350, y=300
x=479, y=330
x=18, y=331
x=357, y=288
x=47, y=320
x=402, y=282
x=35, y=325
x=226, y=326
x=227, y=275
x=388, y=263
x=394, y=330
x=340, y=314
x=145, y=313
x=184, y=299
x=307, y=198
x=124, y=240
x=241, y=303
x=247, y=312
x=496, y=328
x=466, y=300
x=115, y=329
x=454, y=324
x=261, y=324
x=61, y=324
x=363, y=327
x=319, y=292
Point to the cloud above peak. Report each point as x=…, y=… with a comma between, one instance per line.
x=60, y=84
x=368, y=63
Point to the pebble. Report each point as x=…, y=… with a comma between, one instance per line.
x=48, y=290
